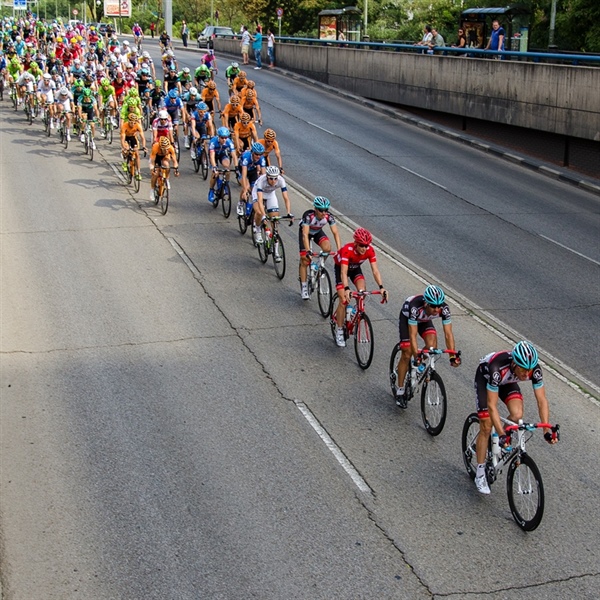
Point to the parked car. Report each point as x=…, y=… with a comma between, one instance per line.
x=210, y=32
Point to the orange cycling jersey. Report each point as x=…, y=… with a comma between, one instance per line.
x=208, y=95
x=269, y=146
x=238, y=83
x=231, y=112
x=244, y=131
x=245, y=91
x=249, y=103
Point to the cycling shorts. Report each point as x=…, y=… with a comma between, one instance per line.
x=269, y=199
x=132, y=141
x=423, y=327
x=318, y=238
x=87, y=113
x=507, y=392
x=354, y=274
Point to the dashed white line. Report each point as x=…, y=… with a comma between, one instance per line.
x=425, y=178
x=321, y=128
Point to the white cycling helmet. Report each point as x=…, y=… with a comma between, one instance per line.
x=163, y=114
x=193, y=91
x=273, y=171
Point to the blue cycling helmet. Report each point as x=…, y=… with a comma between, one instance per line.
x=258, y=148
x=525, y=355
x=321, y=203
x=434, y=295
x=173, y=94
x=223, y=132
x=202, y=106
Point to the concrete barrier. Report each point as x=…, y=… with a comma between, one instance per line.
x=560, y=99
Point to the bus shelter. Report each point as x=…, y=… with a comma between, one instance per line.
x=340, y=24
x=477, y=25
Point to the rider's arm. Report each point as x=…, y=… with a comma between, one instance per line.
x=449, y=335
x=413, y=331
x=492, y=402
x=336, y=236
x=542, y=402
x=305, y=239
x=288, y=204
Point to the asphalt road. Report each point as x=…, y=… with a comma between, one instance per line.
x=156, y=382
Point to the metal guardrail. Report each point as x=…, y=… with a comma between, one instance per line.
x=537, y=57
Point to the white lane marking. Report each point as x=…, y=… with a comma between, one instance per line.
x=425, y=178
x=570, y=249
x=339, y=455
x=184, y=257
x=321, y=128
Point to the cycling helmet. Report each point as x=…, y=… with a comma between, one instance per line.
x=245, y=118
x=273, y=171
x=235, y=65
x=234, y=100
x=202, y=106
x=269, y=134
x=250, y=94
x=362, y=236
x=164, y=141
x=258, y=148
x=193, y=91
x=242, y=74
x=250, y=84
x=133, y=92
x=186, y=70
x=146, y=54
x=125, y=43
x=173, y=94
x=132, y=117
x=163, y=114
x=105, y=82
x=63, y=91
x=158, y=83
x=211, y=85
x=170, y=53
x=145, y=71
x=321, y=203
x=223, y=132
x=524, y=355
x=87, y=92
x=434, y=295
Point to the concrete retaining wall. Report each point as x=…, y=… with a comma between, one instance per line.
x=560, y=99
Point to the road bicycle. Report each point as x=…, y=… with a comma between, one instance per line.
x=357, y=323
x=107, y=125
x=133, y=173
x=272, y=244
x=146, y=115
x=176, y=141
x=63, y=131
x=162, y=187
x=45, y=118
x=523, y=480
x=30, y=106
x=245, y=214
x=14, y=98
x=422, y=374
x=199, y=152
x=318, y=279
x=88, y=139
x=222, y=191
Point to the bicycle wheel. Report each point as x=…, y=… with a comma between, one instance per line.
x=278, y=256
x=65, y=137
x=157, y=193
x=195, y=159
x=468, y=440
x=130, y=171
x=164, y=199
x=29, y=113
x=525, y=492
x=324, y=293
x=90, y=143
x=263, y=252
x=136, y=180
x=242, y=222
x=434, y=403
x=177, y=149
x=226, y=199
x=363, y=341
x=146, y=119
x=204, y=163
x=109, y=130
x=393, y=373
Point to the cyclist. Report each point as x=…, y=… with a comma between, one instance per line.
x=239, y=83
x=251, y=166
x=157, y=95
x=88, y=107
x=173, y=106
x=162, y=127
x=264, y=198
x=220, y=150
x=149, y=62
x=171, y=79
x=271, y=145
x=138, y=35
x=64, y=104
x=164, y=153
x=189, y=100
x=232, y=112
x=107, y=100
x=45, y=93
x=244, y=133
x=131, y=132
x=210, y=60
x=201, y=125
x=347, y=264
x=311, y=229
x=231, y=72
x=210, y=95
x=497, y=377
x=131, y=103
x=416, y=318
x=202, y=75
x=165, y=41
x=184, y=80
x=250, y=105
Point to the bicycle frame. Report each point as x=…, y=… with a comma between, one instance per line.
x=359, y=297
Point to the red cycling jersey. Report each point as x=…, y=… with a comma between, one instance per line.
x=347, y=255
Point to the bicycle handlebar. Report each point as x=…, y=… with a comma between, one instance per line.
x=438, y=351
x=532, y=426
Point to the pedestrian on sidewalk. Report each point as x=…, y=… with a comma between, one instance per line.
x=271, y=47
x=152, y=29
x=185, y=32
x=245, y=45
x=257, y=47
